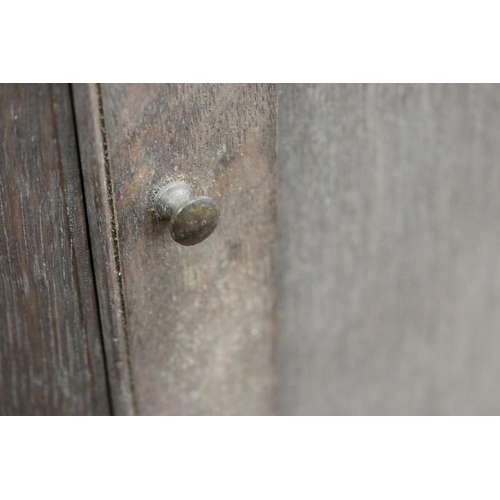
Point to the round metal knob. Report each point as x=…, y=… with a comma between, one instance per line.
x=190, y=220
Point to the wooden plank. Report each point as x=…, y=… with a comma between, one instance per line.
x=200, y=321
x=51, y=356
x=389, y=249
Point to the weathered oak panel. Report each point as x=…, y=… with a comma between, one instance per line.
x=389, y=249
x=51, y=357
x=199, y=321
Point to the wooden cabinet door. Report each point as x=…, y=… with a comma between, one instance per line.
x=380, y=271
x=188, y=330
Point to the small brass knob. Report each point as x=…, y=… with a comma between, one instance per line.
x=190, y=220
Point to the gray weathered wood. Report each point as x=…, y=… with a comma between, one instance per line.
x=389, y=249
x=198, y=322
x=51, y=356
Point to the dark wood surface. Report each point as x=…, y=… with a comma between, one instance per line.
x=99, y=199
x=197, y=324
x=389, y=249
x=51, y=355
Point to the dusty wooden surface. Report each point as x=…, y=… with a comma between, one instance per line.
x=199, y=321
x=51, y=356
x=389, y=249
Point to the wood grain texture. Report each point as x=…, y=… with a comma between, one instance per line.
x=200, y=320
x=102, y=226
x=389, y=249
x=51, y=355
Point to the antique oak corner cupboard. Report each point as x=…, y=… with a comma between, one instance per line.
x=149, y=267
